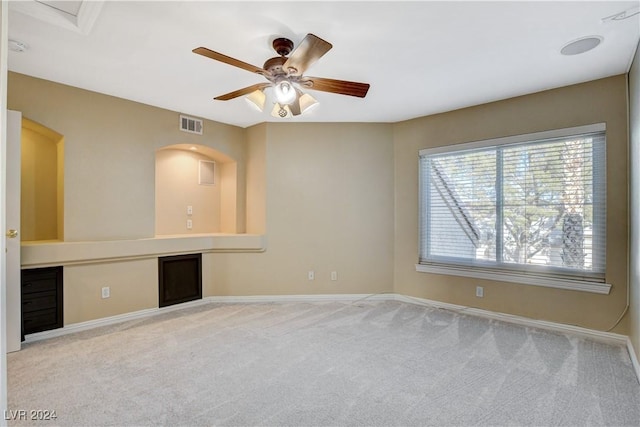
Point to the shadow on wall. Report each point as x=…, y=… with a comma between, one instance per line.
x=196, y=191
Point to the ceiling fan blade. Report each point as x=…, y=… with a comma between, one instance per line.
x=228, y=60
x=243, y=91
x=342, y=87
x=310, y=49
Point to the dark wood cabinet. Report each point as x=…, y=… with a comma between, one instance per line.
x=41, y=294
x=180, y=278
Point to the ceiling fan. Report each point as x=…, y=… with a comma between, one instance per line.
x=285, y=76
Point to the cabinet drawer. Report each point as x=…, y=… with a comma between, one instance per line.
x=41, y=320
x=40, y=273
x=41, y=306
x=38, y=285
x=39, y=301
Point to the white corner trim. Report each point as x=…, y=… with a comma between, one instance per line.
x=601, y=336
x=634, y=358
x=573, y=285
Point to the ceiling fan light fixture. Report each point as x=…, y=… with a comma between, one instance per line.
x=257, y=99
x=281, y=111
x=285, y=74
x=285, y=92
x=307, y=102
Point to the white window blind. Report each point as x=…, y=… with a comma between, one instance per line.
x=532, y=206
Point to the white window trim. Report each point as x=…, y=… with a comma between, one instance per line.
x=548, y=282
x=506, y=276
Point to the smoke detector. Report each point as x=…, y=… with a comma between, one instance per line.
x=17, y=46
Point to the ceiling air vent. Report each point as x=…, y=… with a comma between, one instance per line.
x=190, y=124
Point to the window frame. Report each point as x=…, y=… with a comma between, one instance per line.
x=523, y=274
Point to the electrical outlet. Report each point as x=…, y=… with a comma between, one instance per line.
x=334, y=275
x=106, y=292
x=189, y=224
x=479, y=291
x=311, y=275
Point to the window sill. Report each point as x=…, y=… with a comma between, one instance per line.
x=574, y=285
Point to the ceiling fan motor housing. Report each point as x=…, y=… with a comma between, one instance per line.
x=282, y=46
x=274, y=65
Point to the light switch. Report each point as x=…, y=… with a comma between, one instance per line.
x=189, y=210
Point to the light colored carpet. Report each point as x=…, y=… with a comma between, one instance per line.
x=316, y=364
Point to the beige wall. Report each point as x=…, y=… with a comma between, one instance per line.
x=110, y=147
x=177, y=186
x=329, y=208
x=634, y=127
x=330, y=205
x=109, y=178
x=257, y=179
x=39, y=186
x=231, y=221
x=593, y=102
x=329, y=197
x=133, y=287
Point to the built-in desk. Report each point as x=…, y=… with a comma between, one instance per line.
x=54, y=253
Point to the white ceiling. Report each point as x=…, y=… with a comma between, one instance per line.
x=420, y=58
x=69, y=7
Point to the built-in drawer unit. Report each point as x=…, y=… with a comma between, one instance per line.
x=41, y=293
x=180, y=279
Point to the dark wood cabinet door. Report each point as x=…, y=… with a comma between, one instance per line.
x=180, y=279
x=41, y=295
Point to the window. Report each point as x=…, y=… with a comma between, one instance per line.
x=529, y=208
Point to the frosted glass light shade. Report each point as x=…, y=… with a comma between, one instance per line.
x=257, y=99
x=307, y=102
x=285, y=92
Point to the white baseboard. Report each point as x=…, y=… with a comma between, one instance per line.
x=607, y=337
x=387, y=296
x=634, y=358
x=111, y=320
x=299, y=298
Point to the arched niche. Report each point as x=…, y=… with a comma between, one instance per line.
x=41, y=183
x=202, y=178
